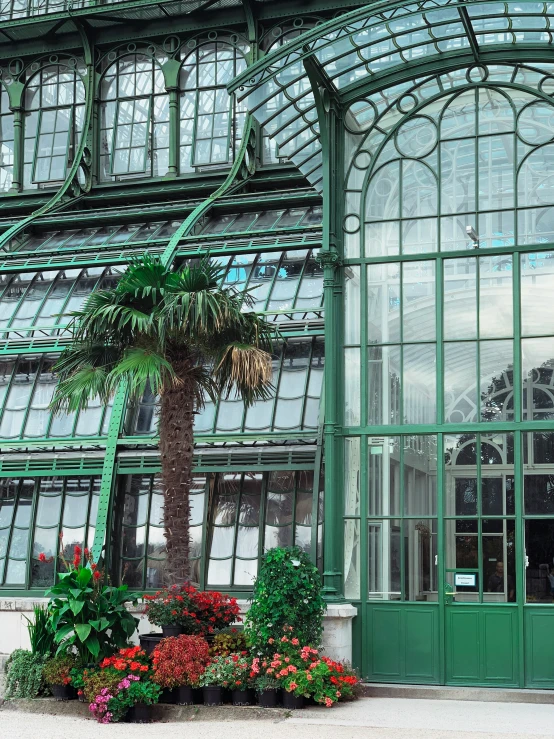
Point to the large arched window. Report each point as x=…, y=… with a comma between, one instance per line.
x=54, y=115
x=134, y=119
x=211, y=121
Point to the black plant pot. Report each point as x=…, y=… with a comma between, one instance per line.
x=242, y=697
x=292, y=702
x=62, y=692
x=212, y=695
x=168, y=695
x=198, y=696
x=184, y=695
x=226, y=696
x=149, y=642
x=140, y=713
x=81, y=698
x=171, y=630
x=268, y=698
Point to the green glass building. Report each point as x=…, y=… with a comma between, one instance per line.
x=379, y=175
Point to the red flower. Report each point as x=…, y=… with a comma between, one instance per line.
x=97, y=575
x=77, y=551
x=42, y=557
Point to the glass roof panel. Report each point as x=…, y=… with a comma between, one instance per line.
x=262, y=221
x=26, y=387
x=31, y=303
x=368, y=42
x=99, y=237
x=297, y=376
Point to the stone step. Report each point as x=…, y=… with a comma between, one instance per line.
x=456, y=693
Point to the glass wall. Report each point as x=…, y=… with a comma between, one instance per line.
x=297, y=379
x=50, y=516
x=26, y=387
x=235, y=517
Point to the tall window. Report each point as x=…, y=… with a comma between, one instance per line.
x=134, y=119
x=212, y=122
x=54, y=114
x=47, y=515
x=235, y=517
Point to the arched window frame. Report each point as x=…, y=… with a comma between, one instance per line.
x=200, y=99
x=54, y=111
x=129, y=116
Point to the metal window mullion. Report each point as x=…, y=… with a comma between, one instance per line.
x=262, y=514
x=278, y=384
x=304, y=397
x=147, y=529
x=401, y=517
x=301, y=277
x=479, y=517
x=235, y=537
x=21, y=299
x=478, y=342
x=11, y=529
x=40, y=363
x=37, y=137
x=208, y=478
x=31, y=532
x=517, y=379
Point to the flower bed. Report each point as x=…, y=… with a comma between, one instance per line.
x=88, y=627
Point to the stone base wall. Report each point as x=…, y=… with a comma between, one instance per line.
x=337, y=625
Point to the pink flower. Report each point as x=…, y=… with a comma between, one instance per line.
x=328, y=702
x=293, y=686
x=295, y=642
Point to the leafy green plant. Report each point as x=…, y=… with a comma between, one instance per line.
x=96, y=679
x=266, y=682
x=77, y=677
x=40, y=632
x=287, y=592
x=24, y=674
x=57, y=670
x=229, y=641
x=88, y=615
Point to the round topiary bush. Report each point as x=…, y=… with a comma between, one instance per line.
x=287, y=596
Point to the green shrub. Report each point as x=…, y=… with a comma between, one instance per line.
x=24, y=674
x=40, y=632
x=287, y=593
x=57, y=669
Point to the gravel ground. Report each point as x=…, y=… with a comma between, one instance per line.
x=378, y=718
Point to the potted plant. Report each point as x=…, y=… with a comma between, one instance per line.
x=130, y=699
x=164, y=609
x=178, y=664
x=240, y=680
x=87, y=614
x=76, y=675
x=57, y=676
x=214, y=679
x=267, y=691
x=229, y=641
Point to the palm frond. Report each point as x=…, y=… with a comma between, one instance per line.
x=74, y=392
x=146, y=277
x=142, y=367
x=245, y=370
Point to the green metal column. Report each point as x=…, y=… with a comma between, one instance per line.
x=17, y=181
x=108, y=470
x=173, y=168
x=329, y=113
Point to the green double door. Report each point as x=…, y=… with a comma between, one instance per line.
x=467, y=597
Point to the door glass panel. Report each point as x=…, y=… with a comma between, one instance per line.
x=539, y=550
x=498, y=546
x=538, y=480
x=384, y=560
x=420, y=559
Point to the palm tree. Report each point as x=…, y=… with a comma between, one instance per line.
x=182, y=336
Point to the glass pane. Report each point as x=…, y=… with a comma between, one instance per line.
x=352, y=399
x=384, y=476
x=419, y=383
x=538, y=481
x=495, y=297
x=537, y=285
x=420, y=560
x=460, y=382
x=384, y=560
x=539, y=550
x=352, y=559
x=460, y=298
x=536, y=370
x=383, y=299
x=384, y=385
x=499, y=563
x=420, y=475
x=352, y=477
x=418, y=301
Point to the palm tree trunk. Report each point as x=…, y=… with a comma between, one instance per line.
x=176, y=451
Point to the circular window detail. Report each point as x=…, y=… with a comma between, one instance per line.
x=362, y=160
x=546, y=85
x=477, y=74
x=351, y=224
x=536, y=123
x=407, y=103
x=363, y=113
x=416, y=137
